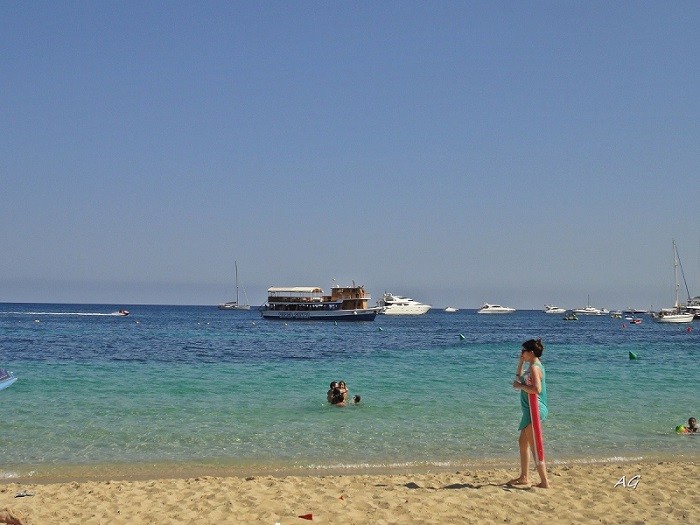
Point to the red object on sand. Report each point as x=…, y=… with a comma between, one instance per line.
x=307, y=516
x=536, y=427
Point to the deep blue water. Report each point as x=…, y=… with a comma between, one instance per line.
x=199, y=385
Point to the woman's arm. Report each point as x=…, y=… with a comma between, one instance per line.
x=536, y=387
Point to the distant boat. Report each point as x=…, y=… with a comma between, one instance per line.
x=495, y=309
x=345, y=303
x=551, y=309
x=122, y=312
x=694, y=306
x=450, y=309
x=6, y=378
x=635, y=311
x=591, y=310
x=398, y=305
x=235, y=305
x=675, y=314
x=671, y=315
x=569, y=315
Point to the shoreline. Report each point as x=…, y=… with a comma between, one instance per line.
x=147, y=471
x=649, y=490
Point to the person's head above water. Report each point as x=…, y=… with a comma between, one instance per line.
x=534, y=346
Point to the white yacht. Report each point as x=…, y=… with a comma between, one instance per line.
x=451, y=309
x=398, y=305
x=495, y=309
x=591, y=310
x=551, y=309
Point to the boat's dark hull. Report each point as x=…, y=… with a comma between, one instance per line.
x=322, y=315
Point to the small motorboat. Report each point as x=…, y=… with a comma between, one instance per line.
x=552, y=309
x=122, y=312
x=495, y=309
x=6, y=378
x=451, y=309
x=570, y=315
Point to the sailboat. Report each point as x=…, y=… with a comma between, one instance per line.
x=675, y=314
x=236, y=305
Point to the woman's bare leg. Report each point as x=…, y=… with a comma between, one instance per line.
x=542, y=471
x=9, y=517
x=525, y=444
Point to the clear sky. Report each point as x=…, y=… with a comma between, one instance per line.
x=457, y=152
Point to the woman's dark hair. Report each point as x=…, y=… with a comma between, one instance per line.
x=534, y=346
x=336, y=397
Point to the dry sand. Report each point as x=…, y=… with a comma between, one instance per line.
x=665, y=492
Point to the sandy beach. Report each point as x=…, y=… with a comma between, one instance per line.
x=631, y=492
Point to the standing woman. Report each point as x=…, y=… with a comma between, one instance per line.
x=531, y=382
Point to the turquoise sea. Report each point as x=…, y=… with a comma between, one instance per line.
x=191, y=388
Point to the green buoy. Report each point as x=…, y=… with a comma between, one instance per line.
x=633, y=355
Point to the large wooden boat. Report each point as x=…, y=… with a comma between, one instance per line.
x=304, y=303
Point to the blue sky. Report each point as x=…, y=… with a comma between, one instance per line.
x=457, y=152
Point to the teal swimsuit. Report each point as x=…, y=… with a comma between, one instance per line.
x=525, y=400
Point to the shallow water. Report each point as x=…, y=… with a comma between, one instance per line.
x=173, y=384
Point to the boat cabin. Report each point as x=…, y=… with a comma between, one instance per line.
x=312, y=298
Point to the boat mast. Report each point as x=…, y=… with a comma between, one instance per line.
x=685, y=283
x=675, y=273
x=236, y=265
